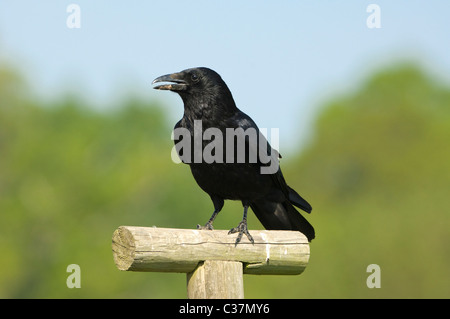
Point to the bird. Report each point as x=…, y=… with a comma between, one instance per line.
x=209, y=105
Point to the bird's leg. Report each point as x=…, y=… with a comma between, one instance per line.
x=242, y=228
x=209, y=225
x=218, y=204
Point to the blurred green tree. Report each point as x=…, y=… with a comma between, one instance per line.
x=378, y=178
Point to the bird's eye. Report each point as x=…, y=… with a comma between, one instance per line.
x=194, y=77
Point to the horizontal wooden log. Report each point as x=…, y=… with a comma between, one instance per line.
x=181, y=250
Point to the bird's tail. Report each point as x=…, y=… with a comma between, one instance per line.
x=282, y=216
x=299, y=201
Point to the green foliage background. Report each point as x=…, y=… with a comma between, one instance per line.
x=376, y=171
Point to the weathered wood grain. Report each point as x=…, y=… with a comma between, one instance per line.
x=182, y=250
x=216, y=279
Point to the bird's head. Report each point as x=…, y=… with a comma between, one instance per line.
x=189, y=81
x=202, y=90
x=196, y=84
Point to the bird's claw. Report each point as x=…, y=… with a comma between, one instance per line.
x=241, y=229
x=208, y=226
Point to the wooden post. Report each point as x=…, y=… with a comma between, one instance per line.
x=216, y=279
x=214, y=265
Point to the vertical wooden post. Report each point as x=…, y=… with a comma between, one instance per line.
x=216, y=279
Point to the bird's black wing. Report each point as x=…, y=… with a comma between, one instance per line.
x=245, y=122
x=279, y=213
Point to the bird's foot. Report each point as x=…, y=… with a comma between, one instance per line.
x=241, y=229
x=208, y=226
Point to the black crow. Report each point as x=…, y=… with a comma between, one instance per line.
x=231, y=172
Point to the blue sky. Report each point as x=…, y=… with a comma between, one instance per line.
x=280, y=59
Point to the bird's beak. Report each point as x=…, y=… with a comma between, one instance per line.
x=178, y=84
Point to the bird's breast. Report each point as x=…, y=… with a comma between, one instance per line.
x=232, y=180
